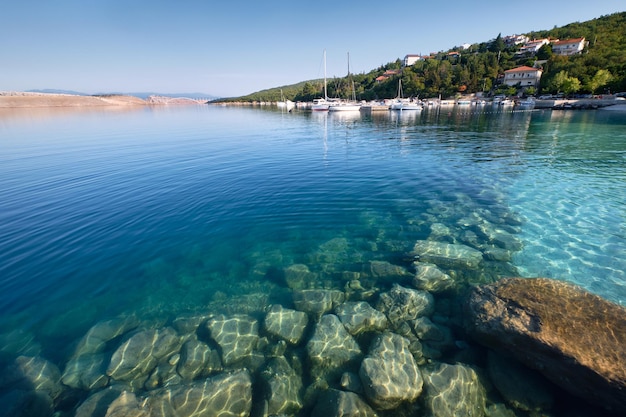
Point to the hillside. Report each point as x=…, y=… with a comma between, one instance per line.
x=600, y=68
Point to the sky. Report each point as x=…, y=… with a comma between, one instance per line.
x=230, y=48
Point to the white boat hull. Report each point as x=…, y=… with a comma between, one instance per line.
x=344, y=107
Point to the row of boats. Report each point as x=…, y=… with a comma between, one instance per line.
x=400, y=104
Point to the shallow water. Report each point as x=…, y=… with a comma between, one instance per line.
x=158, y=212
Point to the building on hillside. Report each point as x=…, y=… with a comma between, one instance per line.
x=531, y=48
x=569, y=46
x=387, y=74
x=515, y=40
x=522, y=76
x=411, y=59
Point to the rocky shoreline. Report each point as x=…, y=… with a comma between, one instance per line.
x=393, y=342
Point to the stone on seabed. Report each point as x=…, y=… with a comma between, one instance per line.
x=282, y=386
x=236, y=336
x=331, y=347
x=453, y=391
x=140, y=354
x=447, y=255
x=286, y=324
x=574, y=338
x=429, y=277
x=400, y=304
x=335, y=403
x=389, y=373
x=359, y=317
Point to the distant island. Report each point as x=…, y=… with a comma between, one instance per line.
x=58, y=99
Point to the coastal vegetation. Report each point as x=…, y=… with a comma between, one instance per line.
x=599, y=69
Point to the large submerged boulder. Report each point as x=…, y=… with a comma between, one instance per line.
x=575, y=338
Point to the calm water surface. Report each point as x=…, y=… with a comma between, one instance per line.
x=162, y=211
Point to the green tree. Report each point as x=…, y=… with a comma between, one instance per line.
x=563, y=83
x=545, y=52
x=601, y=78
x=498, y=44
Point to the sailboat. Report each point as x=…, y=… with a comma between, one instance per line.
x=346, y=105
x=285, y=104
x=322, y=104
x=401, y=103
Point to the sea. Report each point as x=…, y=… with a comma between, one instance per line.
x=162, y=212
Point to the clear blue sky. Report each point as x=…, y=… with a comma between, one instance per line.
x=231, y=48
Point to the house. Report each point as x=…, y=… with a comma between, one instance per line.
x=531, y=48
x=569, y=46
x=515, y=40
x=522, y=76
x=411, y=59
x=387, y=74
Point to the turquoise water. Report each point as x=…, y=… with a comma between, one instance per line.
x=159, y=212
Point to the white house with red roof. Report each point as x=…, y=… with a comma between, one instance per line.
x=569, y=46
x=522, y=76
x=533, y=46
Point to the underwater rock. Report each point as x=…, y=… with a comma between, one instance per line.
x=197, y=359
x=428, y=277
x=447, y=255
x=427, y=330
x=335, y=403
x=499, y=410
x=33, y=373
x=18, y=342
x=436, y=339
x=499, y=237
x=385, y=271
x=521, y=387
x=25, y=403
x=140, y=354
x=497, y=254
x=86, y=372
x=225, y=395
x=188, y=324
x=96, y=404
x=400, y=304
x=96, y=338
x=127, y=405
x=453, y=391
x=236, y=335
x=282, y=386
x=574, y=338
x=317, y=302
x=389, y=373
x=286, y=324
x=439, y=231
x=351, y=381
x=298, y=276
x=331, y=347
x=360, y=317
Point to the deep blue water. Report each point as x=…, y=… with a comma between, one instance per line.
x=161, y=211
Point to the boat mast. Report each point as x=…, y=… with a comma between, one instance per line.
x=325, y=91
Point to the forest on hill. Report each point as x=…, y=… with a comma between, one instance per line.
x=599, y=69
